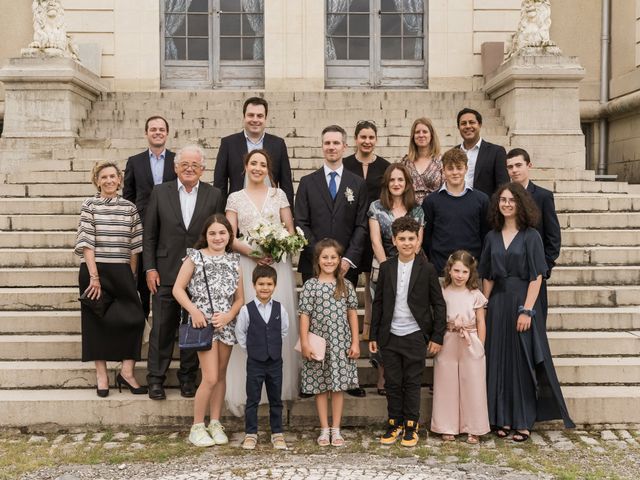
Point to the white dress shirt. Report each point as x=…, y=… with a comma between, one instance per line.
x=243, y=320
x=402, y=322
x=187, y=202
x=327, y=175
x=472, y=159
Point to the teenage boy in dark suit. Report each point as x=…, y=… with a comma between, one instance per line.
x=409, y=319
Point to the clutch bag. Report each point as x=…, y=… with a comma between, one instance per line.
x=318, y=346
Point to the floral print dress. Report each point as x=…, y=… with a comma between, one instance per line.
x=223, y=276
x=328, y=319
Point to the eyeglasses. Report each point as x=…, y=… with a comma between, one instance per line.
x=507, y=201
x=192, y=166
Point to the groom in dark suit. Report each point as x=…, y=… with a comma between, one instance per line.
x=176, y=213
x=143, y=171
x=228, y=175
x=486, y=161
x=332, y=203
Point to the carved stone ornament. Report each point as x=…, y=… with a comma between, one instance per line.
x=50, y=38
x=532, y=34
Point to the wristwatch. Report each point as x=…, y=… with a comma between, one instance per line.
x=529, y=313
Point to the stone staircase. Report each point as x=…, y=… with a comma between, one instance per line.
x=594, y=293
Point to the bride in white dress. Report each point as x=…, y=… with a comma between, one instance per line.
x=245, y=209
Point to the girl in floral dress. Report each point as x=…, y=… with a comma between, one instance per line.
x=327, y=308
x=218, y=306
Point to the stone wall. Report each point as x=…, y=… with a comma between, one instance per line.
x=16, y=32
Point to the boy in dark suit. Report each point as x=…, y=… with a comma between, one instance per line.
x=409, y=319
x=260, y=328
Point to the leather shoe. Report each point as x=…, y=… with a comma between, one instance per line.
x=156, y=392
x=357, y=392
x=188, y=389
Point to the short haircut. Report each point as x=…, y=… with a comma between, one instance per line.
x=255, y=101
x=101, y=165
x=455, y=157
x=264, y=271
x=519, y=152
x=335, y=128
x=189, y=148
x=362, y=124
x=405, y=224
x=155, y=117
x=469, y=110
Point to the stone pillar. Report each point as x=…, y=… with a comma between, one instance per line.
x=47, y=97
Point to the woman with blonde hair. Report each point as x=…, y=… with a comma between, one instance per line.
x=424, y=159
x=109, y=240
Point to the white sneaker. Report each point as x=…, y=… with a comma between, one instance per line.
x=200, y=437
x=216, y=431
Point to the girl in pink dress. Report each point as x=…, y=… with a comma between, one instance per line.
x=459, y=385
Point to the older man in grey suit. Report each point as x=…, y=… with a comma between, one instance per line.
x=174, y=218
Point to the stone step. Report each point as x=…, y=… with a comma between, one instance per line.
x=600, y=220
x=594, y=343
x=38, y=257
x=588, y=202
x=56, y=205
x=584, y=318
x=34, y=298
x=594, y=296
x=584, y=237
x=592, y=275
x=50, y=222
x=40, y=322
x=39, y=277
x=588, y=405
x=599, y=255
x=598, y=370
x=54, y=178
x=39, y=239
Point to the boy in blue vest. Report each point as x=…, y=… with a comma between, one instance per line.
x=260, y=327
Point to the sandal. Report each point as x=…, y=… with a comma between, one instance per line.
x=250, y=441
x=324, y=440
x=473, y=439
x=520, y=436
x=448, y=438
x=503, y=432
x=336, y=438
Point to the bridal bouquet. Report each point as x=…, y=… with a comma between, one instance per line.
x=274, y=240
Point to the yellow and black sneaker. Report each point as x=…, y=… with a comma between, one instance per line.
x=410, y=437
x=394, y=430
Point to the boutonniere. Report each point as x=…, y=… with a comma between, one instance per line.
x=348, y=193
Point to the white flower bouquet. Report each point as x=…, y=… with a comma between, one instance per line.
x=273, y=239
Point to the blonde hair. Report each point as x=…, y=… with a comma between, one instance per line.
x=101, y=165
x=434, y=144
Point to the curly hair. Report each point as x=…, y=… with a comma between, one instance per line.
x=468, y=261
x=527, y=212
x=341, y=288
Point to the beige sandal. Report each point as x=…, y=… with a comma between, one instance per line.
x=336, y=438
x=448, y=438
x=473, y=439
x=324, y=440
x=278, y=442
x=250, y=441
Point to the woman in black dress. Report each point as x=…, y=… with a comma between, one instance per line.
x=109, y=241
x=366, y=164
x=522, y=386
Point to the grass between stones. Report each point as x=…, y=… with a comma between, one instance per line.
x=24, y=453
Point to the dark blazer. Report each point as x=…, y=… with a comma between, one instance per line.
x=166, y=239
x=424, y=298
x=228, y=174
x=319, y=216
x=548, y=227
x=491, y=168
x=138, y=179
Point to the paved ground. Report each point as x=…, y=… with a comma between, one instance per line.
x=167, y=456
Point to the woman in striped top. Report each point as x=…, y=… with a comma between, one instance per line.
x=109, y=240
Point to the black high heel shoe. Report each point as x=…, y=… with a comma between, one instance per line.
x=135, y=390
x=102, y=392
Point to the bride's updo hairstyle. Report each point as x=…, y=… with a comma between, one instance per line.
x=215, y=218
x=269, y=163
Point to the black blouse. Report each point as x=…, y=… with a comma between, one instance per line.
x=374, y=174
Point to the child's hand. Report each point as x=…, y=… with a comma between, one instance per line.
x=434, y=348
x=198, y=320
x=373, y=347
x=306, y=351
x=220, y=319
x=354, y=351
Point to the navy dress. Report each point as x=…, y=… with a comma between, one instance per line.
x=522, y=385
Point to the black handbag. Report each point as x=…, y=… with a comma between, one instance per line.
x=191, y=338
x=98, y=306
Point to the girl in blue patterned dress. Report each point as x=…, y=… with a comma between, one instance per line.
x=327, y=308
x=219, y=306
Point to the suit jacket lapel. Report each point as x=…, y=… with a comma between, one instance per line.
x=174, y=201
x=531, y=188
x=200, y=204
x=322, y=186
x=169, y=168
x=146, y=168
x=414, y=272
x=340, y=197
x=242, y=150
x=393, y=265
x=481, y=153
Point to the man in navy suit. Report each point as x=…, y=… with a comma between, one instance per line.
x=519, y=166
x=486, y=161
x=143, y=171
x=332, y=203
x=228, y=175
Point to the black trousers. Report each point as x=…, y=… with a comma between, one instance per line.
x=404, y=359
x=143, y=290
x=166, y=318
x=268, y=373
